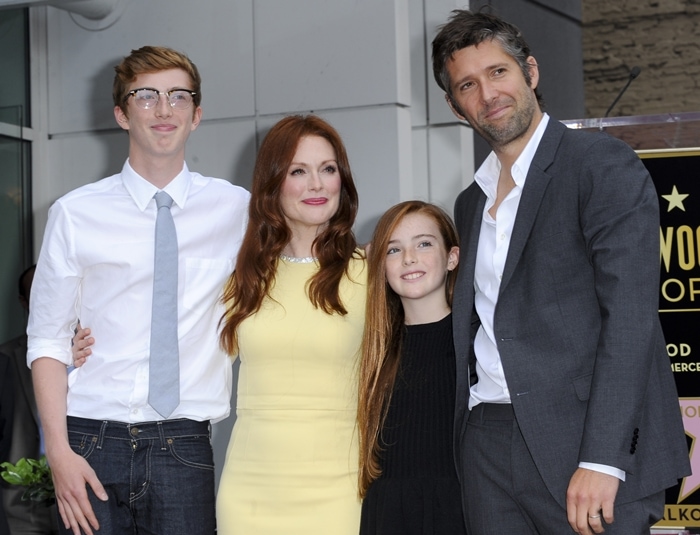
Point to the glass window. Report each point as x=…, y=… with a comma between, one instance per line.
x=14, y=63
x=15, y=157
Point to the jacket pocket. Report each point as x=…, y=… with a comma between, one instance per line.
x=582, y=385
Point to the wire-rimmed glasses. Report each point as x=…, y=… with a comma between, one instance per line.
x=147, y=97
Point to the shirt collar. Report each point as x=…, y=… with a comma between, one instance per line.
x=487, y=174
x=142, y=191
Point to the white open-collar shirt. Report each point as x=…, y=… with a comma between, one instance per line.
x=494, y=241
x=96, y=265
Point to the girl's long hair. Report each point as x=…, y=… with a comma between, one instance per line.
x=384, y=327
x=267, y=233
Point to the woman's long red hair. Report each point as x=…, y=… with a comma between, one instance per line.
x=267, y=233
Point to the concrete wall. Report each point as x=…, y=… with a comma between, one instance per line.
x=660, y=37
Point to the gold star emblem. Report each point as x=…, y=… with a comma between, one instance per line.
x=675, y=199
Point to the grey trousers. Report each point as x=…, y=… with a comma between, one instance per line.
x=504, y=493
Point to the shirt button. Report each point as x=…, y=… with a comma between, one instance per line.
x=503, y=236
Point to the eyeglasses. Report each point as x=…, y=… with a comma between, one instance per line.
x=147, y=97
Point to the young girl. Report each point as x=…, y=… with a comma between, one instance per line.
x=407, y=377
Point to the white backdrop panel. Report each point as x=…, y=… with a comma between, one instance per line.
x=315, y=54
x=217, y=36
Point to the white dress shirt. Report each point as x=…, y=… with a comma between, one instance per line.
x=494, y=241
x=96, y=264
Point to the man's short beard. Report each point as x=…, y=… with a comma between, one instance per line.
x=516, y=127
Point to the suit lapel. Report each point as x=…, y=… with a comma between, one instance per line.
x=533, y=192
x=463, y=302
x=468, y=215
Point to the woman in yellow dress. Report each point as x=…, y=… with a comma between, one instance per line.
x=295, y=317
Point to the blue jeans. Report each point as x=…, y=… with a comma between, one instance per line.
x=159, y=476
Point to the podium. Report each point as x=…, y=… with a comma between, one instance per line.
x=648, y=132
x=669, y=146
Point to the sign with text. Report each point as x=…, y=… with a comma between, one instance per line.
x=676, y=176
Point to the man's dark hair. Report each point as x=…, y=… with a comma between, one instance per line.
x=465, y=28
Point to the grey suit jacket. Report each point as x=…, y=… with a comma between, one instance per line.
x=576, y=322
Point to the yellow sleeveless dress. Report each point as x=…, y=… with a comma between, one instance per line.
x=292, y=461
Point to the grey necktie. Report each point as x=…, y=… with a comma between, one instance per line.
x=164, y=364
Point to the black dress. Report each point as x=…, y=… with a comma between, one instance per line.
x=418, y=492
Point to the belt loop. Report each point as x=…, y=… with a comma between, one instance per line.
x=480, y=412
x=101, y=435
x=163, y=445
x=476, y=414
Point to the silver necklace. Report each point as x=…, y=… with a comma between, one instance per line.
x=296, y=260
